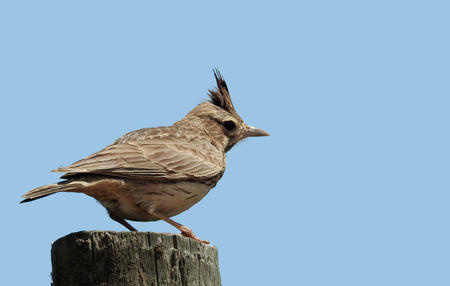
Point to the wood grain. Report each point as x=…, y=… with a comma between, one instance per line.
x=133, y=258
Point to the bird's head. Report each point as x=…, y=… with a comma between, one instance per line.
x=218, y=118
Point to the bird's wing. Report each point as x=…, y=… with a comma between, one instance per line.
x=155, y=158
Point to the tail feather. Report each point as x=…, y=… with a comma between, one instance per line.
x=49, y=190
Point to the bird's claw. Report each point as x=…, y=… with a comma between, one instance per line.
x=188, y=233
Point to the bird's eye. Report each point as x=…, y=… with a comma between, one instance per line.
x=229, y=125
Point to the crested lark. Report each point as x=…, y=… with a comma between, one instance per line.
x=156, y=173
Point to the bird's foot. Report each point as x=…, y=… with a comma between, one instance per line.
x=188, y=233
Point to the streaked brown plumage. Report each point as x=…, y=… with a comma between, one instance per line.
x=156, y=173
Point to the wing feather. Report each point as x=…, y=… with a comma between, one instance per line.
x=151, y=158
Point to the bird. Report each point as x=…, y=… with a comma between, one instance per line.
x=156, y=173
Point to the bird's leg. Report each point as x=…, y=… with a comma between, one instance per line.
x=122, y=222
x=184, y=230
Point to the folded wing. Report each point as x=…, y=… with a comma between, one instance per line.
x=152, y=159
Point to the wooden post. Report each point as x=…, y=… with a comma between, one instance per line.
x=133, y=258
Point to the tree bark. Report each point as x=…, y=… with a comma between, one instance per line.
x=133, y=258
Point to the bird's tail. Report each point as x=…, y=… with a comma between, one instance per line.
x=65, y=186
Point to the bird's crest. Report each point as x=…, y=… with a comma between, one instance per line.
x=221, y=96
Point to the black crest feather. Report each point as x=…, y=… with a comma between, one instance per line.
x=221, y=96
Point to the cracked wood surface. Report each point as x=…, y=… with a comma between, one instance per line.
x=133, y=258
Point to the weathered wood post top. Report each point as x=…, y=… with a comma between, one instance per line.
x=133, y=258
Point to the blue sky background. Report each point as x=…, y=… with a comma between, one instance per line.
x=352, y=188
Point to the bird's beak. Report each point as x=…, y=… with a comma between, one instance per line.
x=254, y=132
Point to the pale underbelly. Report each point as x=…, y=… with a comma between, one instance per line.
x=137, y=202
